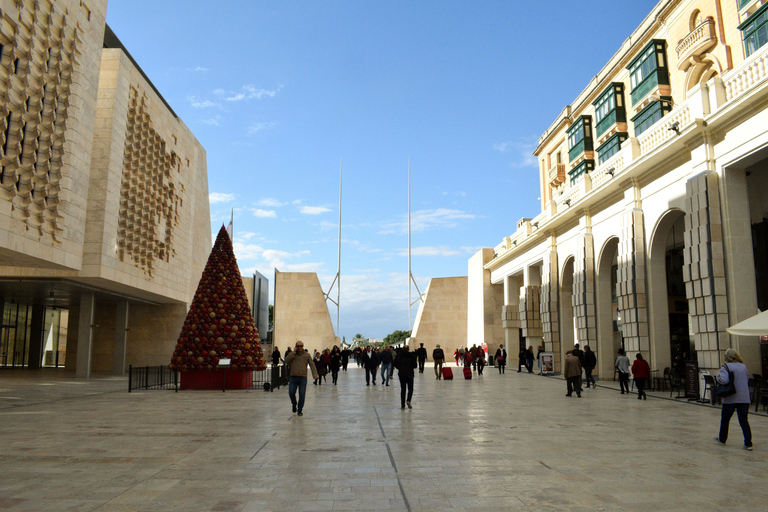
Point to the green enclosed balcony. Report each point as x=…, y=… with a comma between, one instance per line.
x=580, y=138
x=649, y=71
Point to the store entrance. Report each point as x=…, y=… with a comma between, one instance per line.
x=32, y=336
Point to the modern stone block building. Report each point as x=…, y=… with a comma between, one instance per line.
x=301, y=313
x=104, y=217
x=442, y=317
x=653, y=229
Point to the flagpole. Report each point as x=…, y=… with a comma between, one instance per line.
x=338, y=269
x=409, y=244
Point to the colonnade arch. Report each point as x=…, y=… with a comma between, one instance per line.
x=668, y=303
x=567, y=334
x=608, y=333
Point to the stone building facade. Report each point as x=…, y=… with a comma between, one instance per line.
x=653, y=231
x=104, y=217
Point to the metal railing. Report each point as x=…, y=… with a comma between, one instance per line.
x=163, y=377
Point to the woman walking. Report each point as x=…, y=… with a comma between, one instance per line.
x=641, y=371
x=739, y=401
x=501, y=359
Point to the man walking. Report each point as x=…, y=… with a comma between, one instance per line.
x=405, y=362
x=297, y=362
x=345, y=358
x=370, y=361
x=572, y=374
x=421, y=354
x=386, y=365
x=438, y=356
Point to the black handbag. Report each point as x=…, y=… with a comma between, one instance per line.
x=729, y=389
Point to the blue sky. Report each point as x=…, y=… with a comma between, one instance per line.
x=280, y=93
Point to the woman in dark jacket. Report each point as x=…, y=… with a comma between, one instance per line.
x=501, y=358
x=739, y=401
x=641, y=371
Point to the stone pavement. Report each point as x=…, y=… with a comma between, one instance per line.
x=497, y=442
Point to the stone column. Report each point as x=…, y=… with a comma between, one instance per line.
x=36, y=336
x=85, y=336
x=550, y=324
x=510, y=314
x=583, y=293
x=631, y=279
x=121, y=337
x=704, y=268
x=530, y=307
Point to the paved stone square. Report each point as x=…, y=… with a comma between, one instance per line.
x=497, y=442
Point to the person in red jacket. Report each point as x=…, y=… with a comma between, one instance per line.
x=641, y=371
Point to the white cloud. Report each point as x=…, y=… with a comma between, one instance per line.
x=314, y=210
x=269, y=201
x=522, y=151
x=251, y=92
x=258, y=212
x=220, y=197
x=442, y=250
x=198, y=68
x=257, y=127
x=198, y=103
x=214, y=121
x=422, y=220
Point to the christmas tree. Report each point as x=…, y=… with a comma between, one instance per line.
x=219, y=323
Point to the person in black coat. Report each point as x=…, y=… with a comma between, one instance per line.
x=501, y=358
x=345, y=358
x=370, y=362
x=421, y=355
x=590, y=361
x=276, y=357
x=405, y=362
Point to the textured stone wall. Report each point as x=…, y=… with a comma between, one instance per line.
x=49, y=65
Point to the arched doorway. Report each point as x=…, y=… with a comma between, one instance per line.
x=671, y=341
x=608, y=325
x=567, y=327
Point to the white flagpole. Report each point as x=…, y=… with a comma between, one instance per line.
x=338, y=269
x=409, y=244
x=337, y=280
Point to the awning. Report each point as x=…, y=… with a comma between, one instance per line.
x=753, y=326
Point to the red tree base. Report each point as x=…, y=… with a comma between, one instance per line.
x=203, y=379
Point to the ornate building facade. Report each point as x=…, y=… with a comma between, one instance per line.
x=653, y=230
x=104, y=217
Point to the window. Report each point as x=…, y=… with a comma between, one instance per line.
x=651, y=114
x=580, y=137
x=755, y=30
x=648, y=70
x=583, y=168
x=609, y=108
x=610, y=147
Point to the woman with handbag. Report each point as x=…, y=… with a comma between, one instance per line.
x=733, y=388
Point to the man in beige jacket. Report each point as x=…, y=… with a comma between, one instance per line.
x=297, y=362
x=572, y=373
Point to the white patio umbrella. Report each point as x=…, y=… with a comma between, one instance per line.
x=753, y=326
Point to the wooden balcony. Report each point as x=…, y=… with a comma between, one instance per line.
x=557, y=175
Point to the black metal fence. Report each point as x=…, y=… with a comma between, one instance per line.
x=163, y=377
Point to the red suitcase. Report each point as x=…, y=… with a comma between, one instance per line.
x=447, y=373
x=467, y=372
